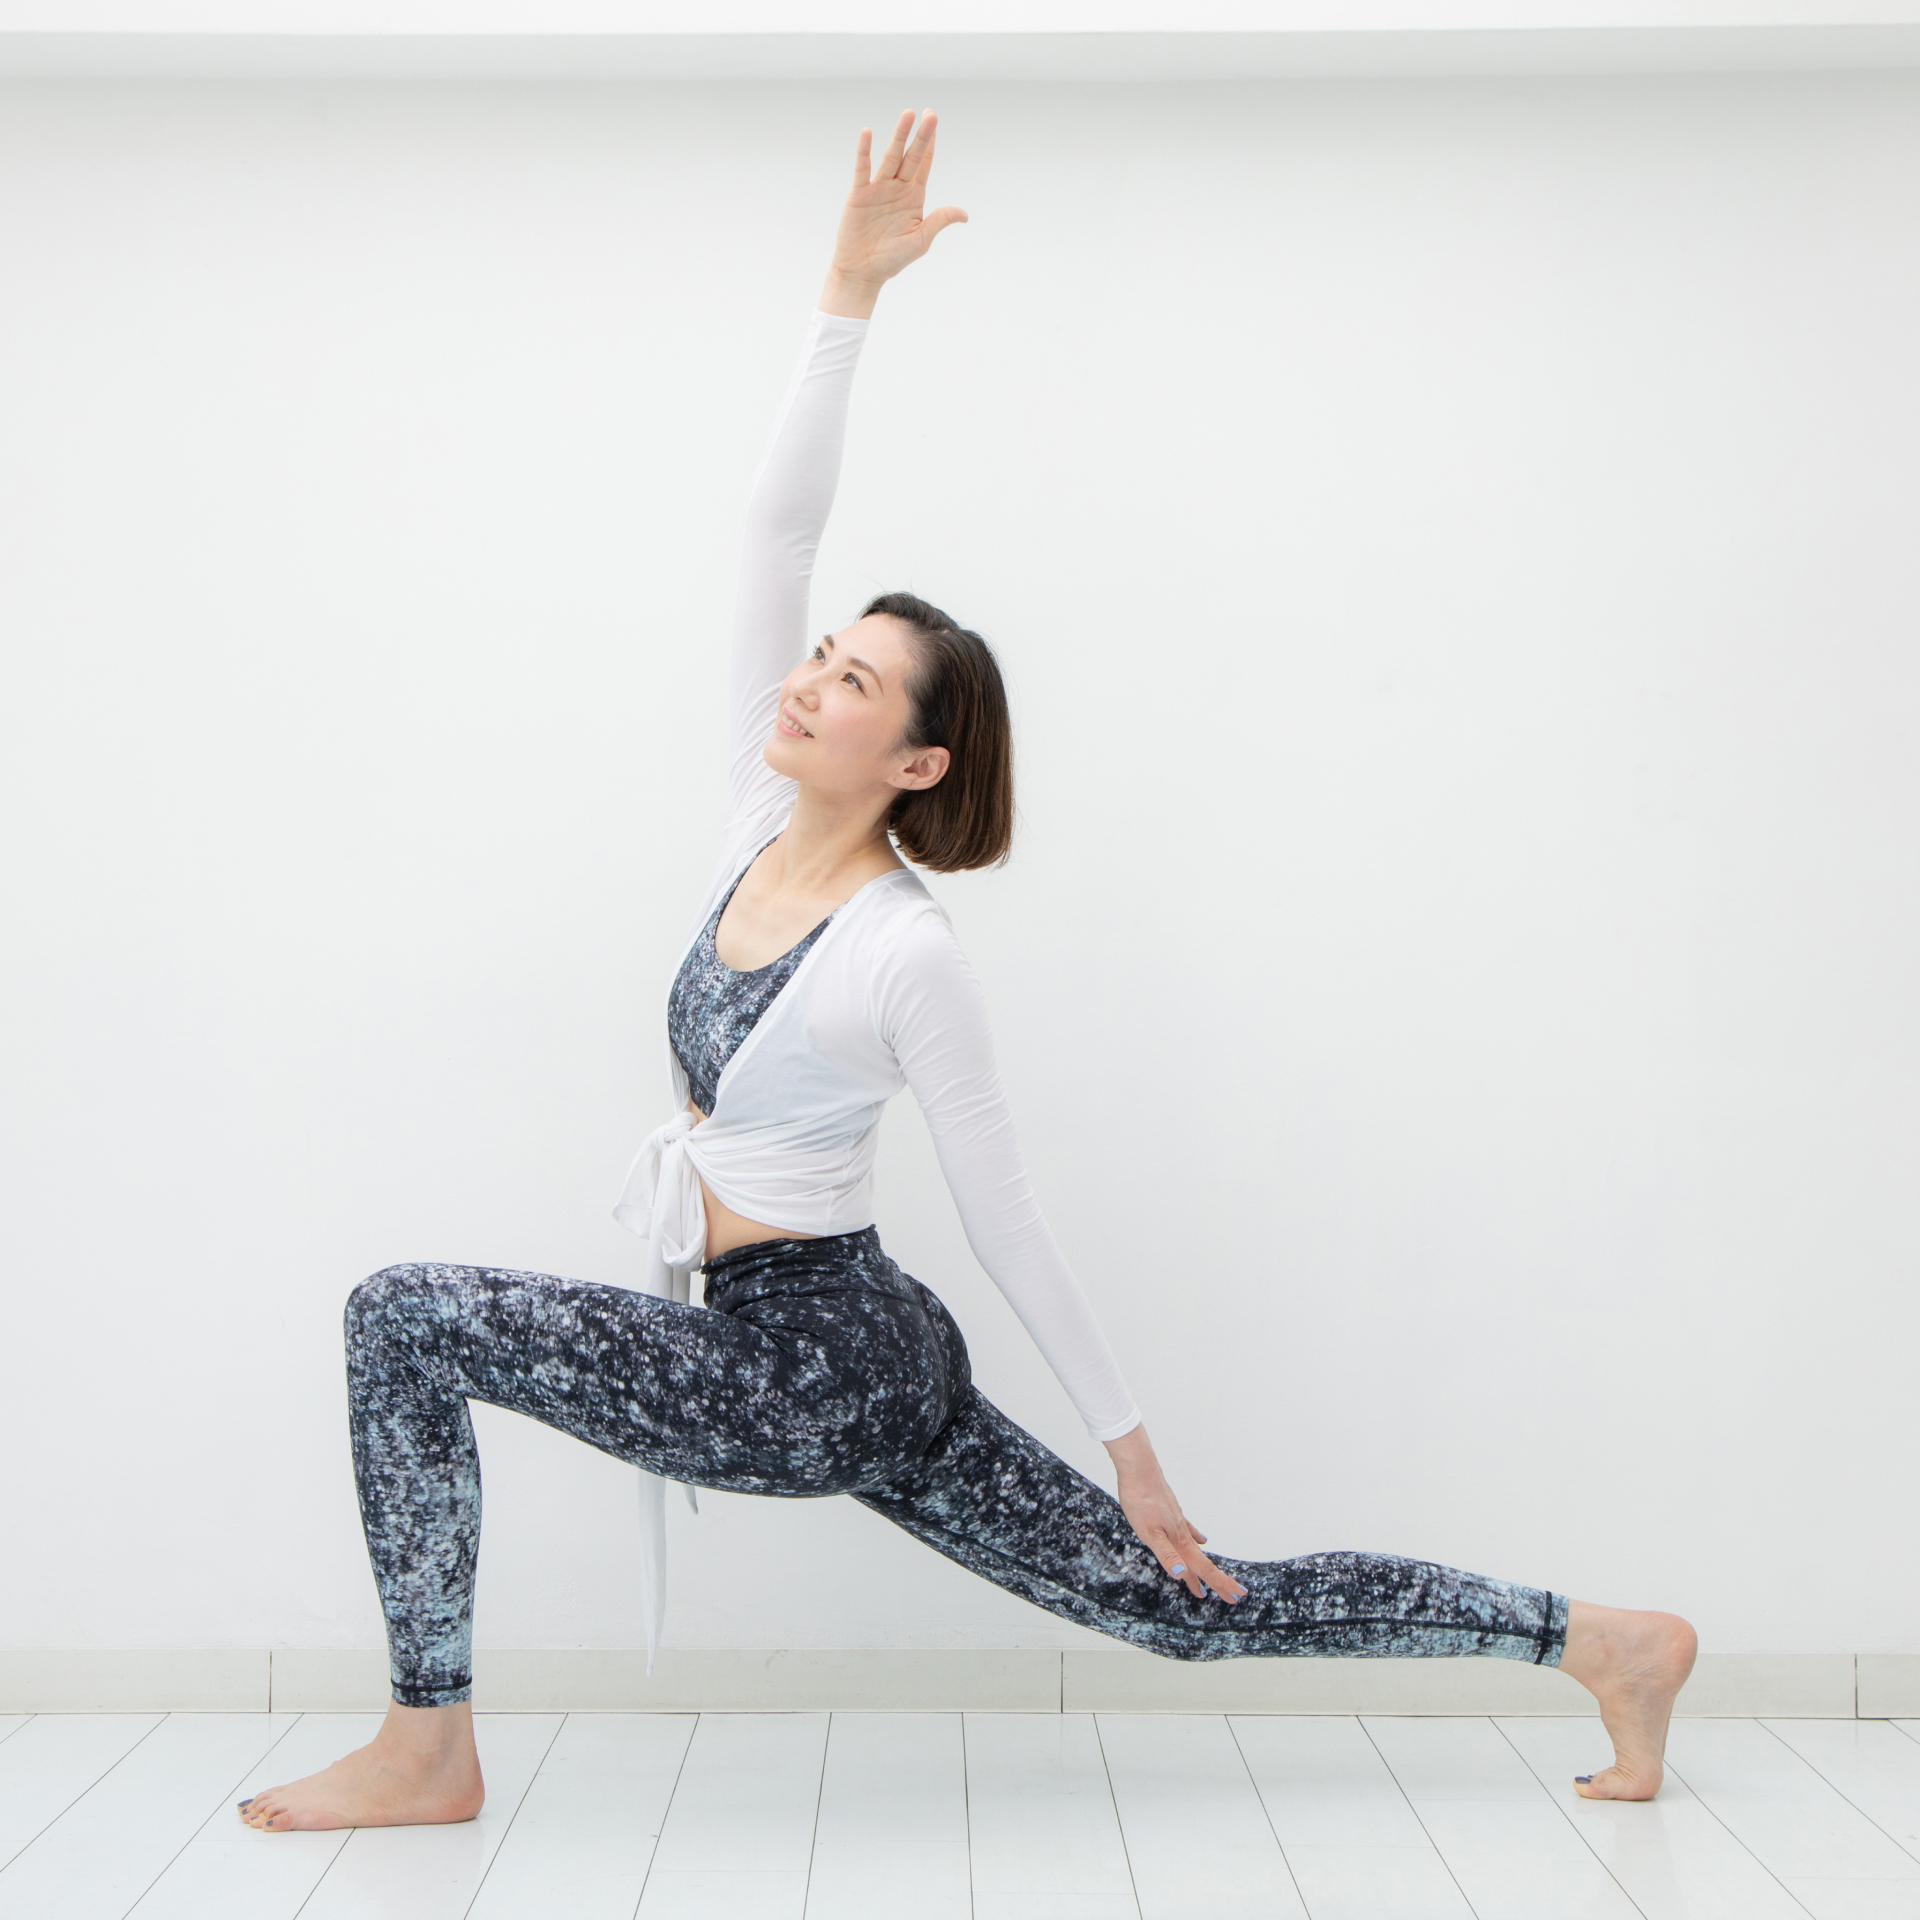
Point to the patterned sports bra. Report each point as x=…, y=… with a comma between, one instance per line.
x=713, y=1007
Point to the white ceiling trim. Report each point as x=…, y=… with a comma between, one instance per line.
x=1130, y=56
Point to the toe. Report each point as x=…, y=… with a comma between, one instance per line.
x=1613, y=1783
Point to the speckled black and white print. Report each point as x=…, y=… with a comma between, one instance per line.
x=713, y=1007
x=816, y=1367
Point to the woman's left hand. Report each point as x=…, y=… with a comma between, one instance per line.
x=883, y=226
x=1154, y=1514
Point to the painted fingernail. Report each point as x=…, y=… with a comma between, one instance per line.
x=1177, y=1571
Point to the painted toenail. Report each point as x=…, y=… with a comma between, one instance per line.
x=1583, y=1779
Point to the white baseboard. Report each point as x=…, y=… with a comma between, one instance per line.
x=1777, y=1686
x=1890, y=1686
x=329, y=1680
x=146, y=1680
x=710, y=1679
x=1123, y=1682
x=1007, y=1680
x=1724, y=1685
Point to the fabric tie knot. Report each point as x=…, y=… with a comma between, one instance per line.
x=662, y=1200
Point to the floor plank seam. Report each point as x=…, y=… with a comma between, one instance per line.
x=1266, y=1813
x=1399, y=1787
x=819, y=1794
x=1900, y=1844
x=33, y=1840
x=1126, y=1852
x=666, y=1814
x=966, y=1812
x=1554, y=1800
x=339, y=1853
x=499, y=1846
x=219, y=1808
x=1714, y=1815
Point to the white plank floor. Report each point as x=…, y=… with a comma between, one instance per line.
x=850, y=1816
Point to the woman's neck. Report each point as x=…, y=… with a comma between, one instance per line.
x=833, y=839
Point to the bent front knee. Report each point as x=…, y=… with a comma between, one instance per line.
x=372, y=1302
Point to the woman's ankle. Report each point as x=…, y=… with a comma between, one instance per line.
x=429, y=1733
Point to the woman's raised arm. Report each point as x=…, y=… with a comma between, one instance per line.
x=883, y=229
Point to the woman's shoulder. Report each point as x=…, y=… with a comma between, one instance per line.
x=892, y=923
x=914, y=958
x=906, y=915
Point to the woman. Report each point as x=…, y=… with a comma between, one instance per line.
x=822, y=978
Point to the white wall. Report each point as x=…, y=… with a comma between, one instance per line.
x=1452, y=548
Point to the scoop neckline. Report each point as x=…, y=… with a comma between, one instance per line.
x=748, y=973
x=711, y=931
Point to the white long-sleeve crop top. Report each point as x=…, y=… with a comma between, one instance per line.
x=883, y=999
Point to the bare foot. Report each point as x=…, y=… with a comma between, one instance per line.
x=419, y=1770
x=1633, y=1664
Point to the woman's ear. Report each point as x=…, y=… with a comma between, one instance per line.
x=927, y=767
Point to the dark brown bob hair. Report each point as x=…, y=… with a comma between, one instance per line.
x=959, y=702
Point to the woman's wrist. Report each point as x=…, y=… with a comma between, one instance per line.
x=1132, y=1452
x=848, y=298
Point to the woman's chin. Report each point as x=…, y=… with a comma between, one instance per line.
x=779, y=754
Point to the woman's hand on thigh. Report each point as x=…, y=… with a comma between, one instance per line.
x=1155, y=1515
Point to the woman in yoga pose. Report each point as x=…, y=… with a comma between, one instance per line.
x=820, y=979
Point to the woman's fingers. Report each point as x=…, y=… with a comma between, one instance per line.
x=1174, y=1540
x=1199, y=1572
x=1172, y=1560
x=1224, y=1584
x=863, y=159
x=896, y=147
x=939, y=220
x=919, y=156
x=1204, y=1575
x=1181, y=1558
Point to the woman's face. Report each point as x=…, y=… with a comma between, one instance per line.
x=843, y=710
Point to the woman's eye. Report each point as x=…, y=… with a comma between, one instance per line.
x=853, y=680
x=816, y=654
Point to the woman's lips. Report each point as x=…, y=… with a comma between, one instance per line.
x=789, y=725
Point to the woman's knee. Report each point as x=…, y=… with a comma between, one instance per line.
x=373, y=1302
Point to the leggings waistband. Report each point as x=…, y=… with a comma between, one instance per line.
x=765, y=1267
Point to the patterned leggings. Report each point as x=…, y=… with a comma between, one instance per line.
x=817, y=1367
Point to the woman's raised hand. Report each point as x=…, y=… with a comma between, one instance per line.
x=884, y=226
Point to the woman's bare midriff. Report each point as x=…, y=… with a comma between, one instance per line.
x=727, y=1229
